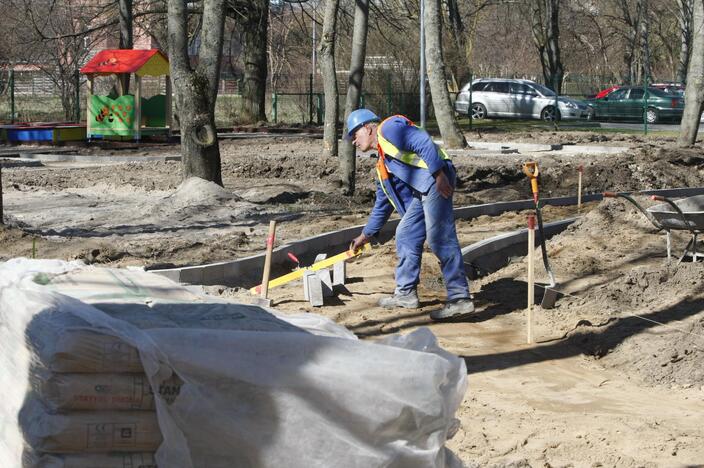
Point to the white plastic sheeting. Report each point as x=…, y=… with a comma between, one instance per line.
x=257, y=388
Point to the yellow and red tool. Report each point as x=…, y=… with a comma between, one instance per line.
x=298, y=273
x=530, y=168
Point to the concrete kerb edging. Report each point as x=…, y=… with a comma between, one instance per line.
x=253, y=135
x=538, y=148
x=8, y=163
x=96, y=159
x=247, y=271
x=494, y=253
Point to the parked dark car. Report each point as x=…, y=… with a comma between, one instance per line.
x=628, y=103
x=670, y=88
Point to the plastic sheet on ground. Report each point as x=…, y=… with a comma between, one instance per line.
x=256, y=388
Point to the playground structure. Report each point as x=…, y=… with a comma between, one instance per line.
x=127, y=115
x=50, y=132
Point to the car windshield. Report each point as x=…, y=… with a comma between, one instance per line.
x=543, y=90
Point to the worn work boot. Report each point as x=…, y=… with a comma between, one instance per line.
x=407, y=301
x=454, y=311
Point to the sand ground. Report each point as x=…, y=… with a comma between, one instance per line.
x=616, y=376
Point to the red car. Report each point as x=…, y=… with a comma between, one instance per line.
x=605, y=92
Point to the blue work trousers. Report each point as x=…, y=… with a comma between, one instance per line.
x=431, y=217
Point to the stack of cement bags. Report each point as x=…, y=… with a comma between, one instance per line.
x=109, y=368
x=90, y=404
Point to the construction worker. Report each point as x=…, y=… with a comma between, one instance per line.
x=417, y=179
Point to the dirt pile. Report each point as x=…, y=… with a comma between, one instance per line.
x=194, y=192
x=625, y=303
x=647, y=166
x=653, y=326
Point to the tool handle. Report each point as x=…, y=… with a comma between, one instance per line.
x=543, y=247
x=267, y=260
x=530, y=168
x=687, y=224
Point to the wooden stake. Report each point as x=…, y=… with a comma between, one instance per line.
x=580, y=169
x=531, y=281
x=267, y=261
x=138, y=108
x=89, y=116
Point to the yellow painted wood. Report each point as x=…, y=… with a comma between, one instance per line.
x=69, y=134
x=294, y=275
x=155, y=66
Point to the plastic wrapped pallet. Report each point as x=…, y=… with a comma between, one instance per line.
x=96, y=392
x=78, y=349
x=89, y=431
x=294, y=391
x=92, y=460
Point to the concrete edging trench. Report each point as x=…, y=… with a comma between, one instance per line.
x=480, y=258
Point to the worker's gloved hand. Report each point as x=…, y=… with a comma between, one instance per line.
x=443, y=185
x=358, y=241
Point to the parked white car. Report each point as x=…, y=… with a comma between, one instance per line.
x=497, y=97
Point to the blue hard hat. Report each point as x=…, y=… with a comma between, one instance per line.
x=358, y=118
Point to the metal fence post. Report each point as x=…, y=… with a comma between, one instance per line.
x=361, y=100
x=321, y=108
x=12, y=96
x=310, y=98
x=645, y=103
x=557, y=103
x=274, y=105
x=470, y=112
x=77, y=103
x=389, y=102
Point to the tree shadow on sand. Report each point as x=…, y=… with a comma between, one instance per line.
x=596, y=342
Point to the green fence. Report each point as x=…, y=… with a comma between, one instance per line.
x=31, y=96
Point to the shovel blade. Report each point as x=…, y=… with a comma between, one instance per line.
x=261, y=302
x=549, y=298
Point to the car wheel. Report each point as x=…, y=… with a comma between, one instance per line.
x=549, y=114
x=651, y=115
x=478, y=111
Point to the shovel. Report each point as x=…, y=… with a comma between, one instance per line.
x=530, y=169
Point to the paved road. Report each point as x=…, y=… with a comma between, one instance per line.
x=639, y=126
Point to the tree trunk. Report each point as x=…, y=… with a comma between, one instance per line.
x=348, y=163
x=327, y=68
x=685, y=24
x=459, y=37
x=546, y=36
x=126, y=39
x=451, y=134
x=694, y=93
x=196, y=89
x=125, y=10
x=644, y=41
x=255, y=25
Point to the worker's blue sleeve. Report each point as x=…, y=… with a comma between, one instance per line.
x=380, y=213
x=410, y=138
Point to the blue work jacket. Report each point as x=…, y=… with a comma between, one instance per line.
x=408, y=181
